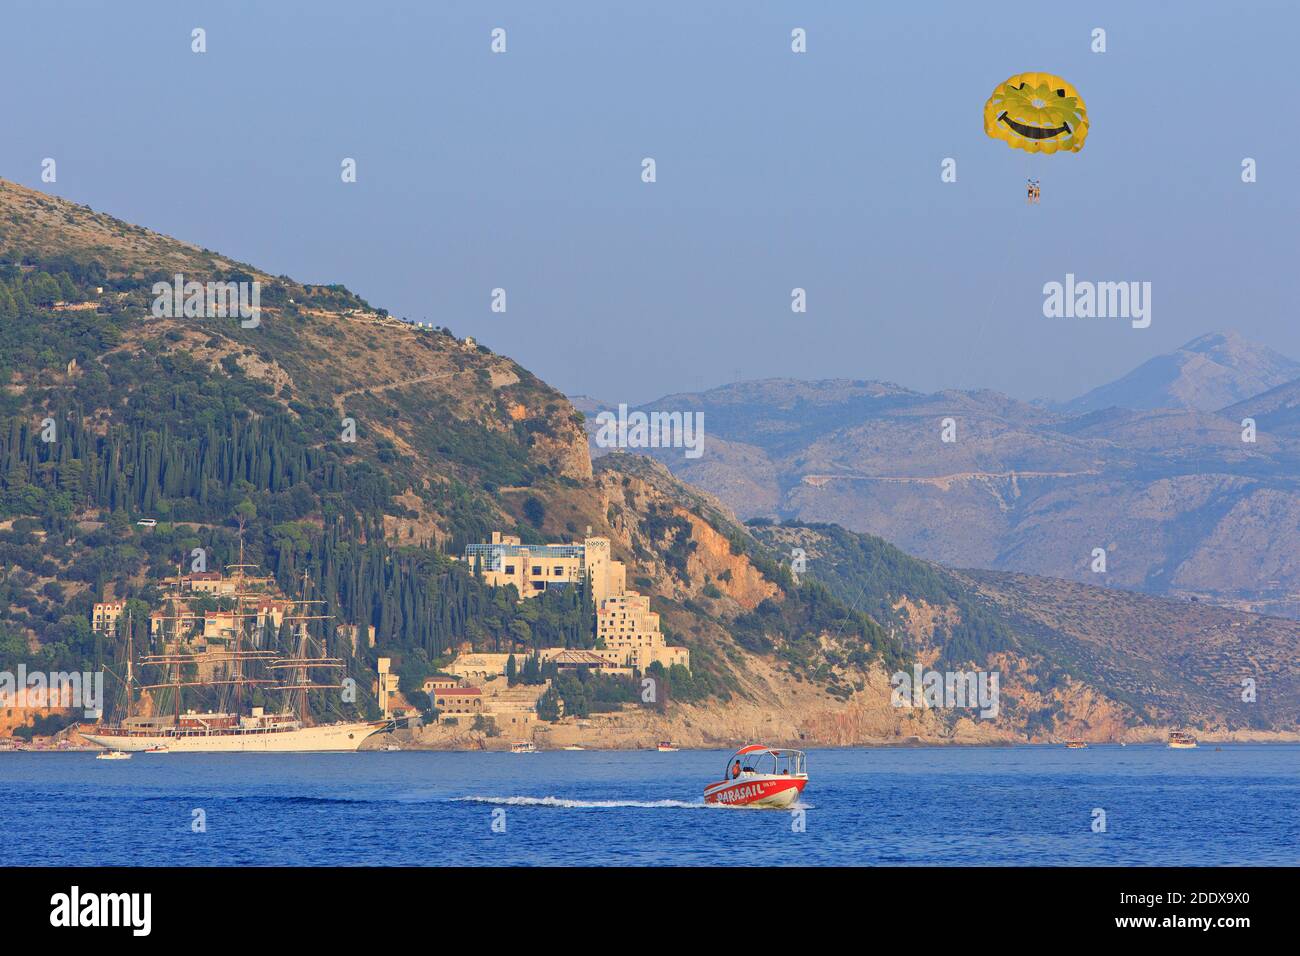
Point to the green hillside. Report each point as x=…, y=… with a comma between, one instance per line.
x=229, y=436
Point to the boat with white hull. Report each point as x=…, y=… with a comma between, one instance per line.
x=230, y=729
x=247, y=737
x=760, y=776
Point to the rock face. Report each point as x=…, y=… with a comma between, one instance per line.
x=1182, y=505
x=650, y=511
x=1074, y=661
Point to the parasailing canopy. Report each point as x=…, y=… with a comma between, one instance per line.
x=1037, y=112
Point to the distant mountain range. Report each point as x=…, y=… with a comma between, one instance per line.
x=1152, y=468
x=1207, y=373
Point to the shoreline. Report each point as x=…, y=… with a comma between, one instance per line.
x=645, y=732
x=503, y=744
x=720, y=748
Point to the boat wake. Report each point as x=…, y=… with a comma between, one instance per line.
x=567, y=804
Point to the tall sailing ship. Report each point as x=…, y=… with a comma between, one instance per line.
x=233, y=672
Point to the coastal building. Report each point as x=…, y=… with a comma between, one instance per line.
x=206, y=582
x=269, y=617
x=439, y=682
x=512, y=707
x=266, y=618
x=628, y=635
x=485, y=667
x=162, y=624
x=533, y=568
x=386, y=686
x=103, y=617
x=573, y=659
x=480, y=667
x=218, y=626
x=455, y=701
x=215, y=583
x=627, y=631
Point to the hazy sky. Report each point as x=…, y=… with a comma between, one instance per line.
x=775, y=170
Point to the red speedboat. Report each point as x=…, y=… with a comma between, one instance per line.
x=760, y=776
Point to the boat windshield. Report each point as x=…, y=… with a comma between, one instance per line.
x=774, y=762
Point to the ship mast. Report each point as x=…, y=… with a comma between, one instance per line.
x=174, y=658
x=130, y=672
x=237, y=664
x=176, y=634
x=300, y=665
x=238, y=658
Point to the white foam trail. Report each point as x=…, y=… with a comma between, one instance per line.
x=588, y=804
x=614, y=804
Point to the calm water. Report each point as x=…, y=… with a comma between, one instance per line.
x=1030, y=805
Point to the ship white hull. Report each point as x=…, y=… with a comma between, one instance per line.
x=325, y=738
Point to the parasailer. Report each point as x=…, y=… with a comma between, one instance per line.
x=1038, y=113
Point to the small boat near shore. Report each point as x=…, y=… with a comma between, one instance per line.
x=1181, y=740
x=666, y=747
x=113, y=755
x=1076, y=745
x=158, y=749
x=574, y=747
x=523, y=747
x=760, y=776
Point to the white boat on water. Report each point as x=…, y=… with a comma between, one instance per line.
x=113, y=755
x=666, y=747
x=226, y=733
x=245, y=665
x=523, y=747
x=1182, y=740
x=574, y=747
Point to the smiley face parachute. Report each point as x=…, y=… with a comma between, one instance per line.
x=1037, y=112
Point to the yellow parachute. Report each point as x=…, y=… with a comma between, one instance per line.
x=1037, y=112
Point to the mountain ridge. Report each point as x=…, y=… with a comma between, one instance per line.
x=1022, y=486
x=231, y=438
x=1209, y=372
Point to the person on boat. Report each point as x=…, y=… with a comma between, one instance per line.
x=735, y=771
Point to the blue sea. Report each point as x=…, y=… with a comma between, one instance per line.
x=918, y=806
